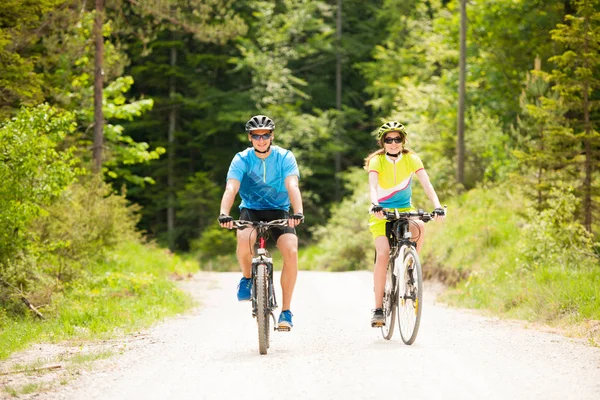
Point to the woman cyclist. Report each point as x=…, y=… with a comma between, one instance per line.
x=391, y=170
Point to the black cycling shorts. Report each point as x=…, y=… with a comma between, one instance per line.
x=247, y=214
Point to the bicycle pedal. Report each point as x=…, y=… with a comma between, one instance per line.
x=377, y=324
x=283, y=328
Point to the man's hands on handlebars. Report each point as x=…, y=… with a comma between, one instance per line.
x=226, y=221
x=295, y=220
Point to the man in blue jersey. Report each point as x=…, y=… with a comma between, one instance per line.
x=266, y=178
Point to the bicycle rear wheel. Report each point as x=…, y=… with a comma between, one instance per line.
x=410, y=296
x=263, y=313
x=390, y=297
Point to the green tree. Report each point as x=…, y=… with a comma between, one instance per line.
x=544, y=144
x=576, y=78
x=34, y=171
x=21, y=83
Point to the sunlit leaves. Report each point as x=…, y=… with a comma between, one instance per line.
x=33, y=171
x=281, y=37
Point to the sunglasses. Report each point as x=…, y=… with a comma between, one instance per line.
x=391, y=140
x=265, y=136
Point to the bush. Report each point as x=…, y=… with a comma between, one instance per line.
x=86, y=221
x=33, y=172
x=555, y=237
x=215, y=241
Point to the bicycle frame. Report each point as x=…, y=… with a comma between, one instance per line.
x=263, y=257
x=403, y=288
x=400, y=241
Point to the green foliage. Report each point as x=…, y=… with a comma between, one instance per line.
x=75, y=231
x=576, y=78
x=345, y=242
x=85, y=222
x=536, y=266
x=34, y=172
x=481, y=227
x=283, y=33
x=504, y=37
x=128, y=290
x=69, y=69
x=198, y=203
x=210, y=21
x=545, y=147
x=21, y=84
x=215, y=241
x=554, y=237
x=68, y=65
x=123, y=151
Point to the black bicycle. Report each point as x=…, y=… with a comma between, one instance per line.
x=263, y=293
x=403, y=293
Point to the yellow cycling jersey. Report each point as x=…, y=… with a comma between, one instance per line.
x=394, y=179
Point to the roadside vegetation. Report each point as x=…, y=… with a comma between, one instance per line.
x=72, y=263
x=130, y=288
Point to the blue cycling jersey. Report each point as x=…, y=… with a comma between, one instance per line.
x=262, y=181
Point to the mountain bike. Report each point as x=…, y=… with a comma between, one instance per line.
x=263, y=293
x=403, y=293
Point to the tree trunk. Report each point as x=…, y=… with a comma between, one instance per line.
x=98, y=86
x=338, y=96
x=171, y=156
x=460, y=137
x=589, y=152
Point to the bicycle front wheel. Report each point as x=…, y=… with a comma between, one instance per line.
x=390, y=297
x=410, y=296
x=263, y=313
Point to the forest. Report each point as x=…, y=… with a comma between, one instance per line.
x=119, y=119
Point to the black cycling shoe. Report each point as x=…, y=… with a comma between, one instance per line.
x=378, y=319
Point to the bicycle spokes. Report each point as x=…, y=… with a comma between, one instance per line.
x=390, y=297
x=409, y=306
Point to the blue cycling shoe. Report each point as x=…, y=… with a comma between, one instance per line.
x=285, y=321
x=244, y=292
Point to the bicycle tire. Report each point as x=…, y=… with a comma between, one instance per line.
x=390, y=298
x=410, y=296
x=263, y=313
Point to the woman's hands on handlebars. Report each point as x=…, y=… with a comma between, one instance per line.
x=377, y=210
x=438, y=213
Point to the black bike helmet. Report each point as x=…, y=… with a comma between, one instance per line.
x=260, y=122
x=391, y=126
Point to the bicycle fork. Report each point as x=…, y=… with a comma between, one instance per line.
x=264, y=259
x=403, y=280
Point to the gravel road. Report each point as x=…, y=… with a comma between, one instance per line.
x=333, y=353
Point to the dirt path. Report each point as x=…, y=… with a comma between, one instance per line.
x=333, y=353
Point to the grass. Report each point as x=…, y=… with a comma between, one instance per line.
x=479, y=252
x=130, y=290
x=36, y=377
x=85, y=359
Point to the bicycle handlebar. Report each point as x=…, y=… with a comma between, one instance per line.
x=420, y=214
x=278, y=223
